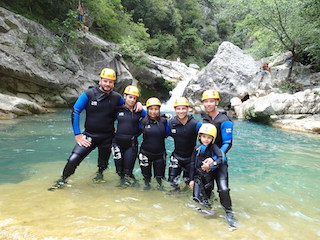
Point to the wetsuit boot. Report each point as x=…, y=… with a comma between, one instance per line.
x=60, y=183
x=231, y=220
x=99, y=177
x=159, y=181
x=225, y=201
x=147, y=183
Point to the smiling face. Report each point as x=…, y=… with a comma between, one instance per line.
x=106, y=85
x=130, y=100
x=154, y=112
x=205, y=139
x=210, y=104
x=181, y=111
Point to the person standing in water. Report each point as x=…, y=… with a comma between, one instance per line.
x=125, y=143
x=210, y=100
x=201, y=181
x=152, y=151
x=100, y=104
x=184, y=129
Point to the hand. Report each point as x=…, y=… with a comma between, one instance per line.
x=206, y=164
x=82, y=141
x=205, y=167
x=138, y=107
x=168, y=115
x=191, y=184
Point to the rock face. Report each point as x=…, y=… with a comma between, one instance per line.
x=259, y=96
x=230, y=72
x=34, y=67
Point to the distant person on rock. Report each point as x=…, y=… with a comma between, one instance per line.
x=210, y=100
x=264, y=68
x=82, y=16
x=100, y=104
x=184, y=130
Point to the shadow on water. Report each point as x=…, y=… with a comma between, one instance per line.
x=274, y=178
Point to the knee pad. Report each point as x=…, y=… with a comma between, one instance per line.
x=174, y=163
x=143, y=159
x=116, y=152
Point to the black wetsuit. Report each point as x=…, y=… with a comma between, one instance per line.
x=152, y=150
x=125, y=143
x=203, y=181
x=224, y=141
x=99, y=127
x=185, y=137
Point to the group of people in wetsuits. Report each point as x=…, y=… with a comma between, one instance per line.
x=200, y=164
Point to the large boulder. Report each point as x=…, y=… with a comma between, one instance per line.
x=12, y=107
x=230, y=72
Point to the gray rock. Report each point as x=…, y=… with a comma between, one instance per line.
x=33, y=67
x=13, y=106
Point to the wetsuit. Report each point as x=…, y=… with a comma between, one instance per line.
x=125, y=143
x=184, y=137
x=203, y=181
x=99, y=127
x=152, y=150
x=224, y=141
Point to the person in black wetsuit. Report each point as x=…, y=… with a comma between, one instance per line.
x=210, y=100
x=201, y=181
x=152, y=151
x=184, y=130
x=100, y=104
x=125, y=143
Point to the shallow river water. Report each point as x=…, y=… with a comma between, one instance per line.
x=274, y=181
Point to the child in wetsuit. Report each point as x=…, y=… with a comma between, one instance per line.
x=202, y=181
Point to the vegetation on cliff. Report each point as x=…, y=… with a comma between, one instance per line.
x=188, y=29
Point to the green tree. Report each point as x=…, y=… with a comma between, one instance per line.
x=277, y=26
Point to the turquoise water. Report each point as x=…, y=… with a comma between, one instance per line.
x=274, y=180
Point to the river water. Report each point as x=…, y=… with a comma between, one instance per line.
x=274, y=180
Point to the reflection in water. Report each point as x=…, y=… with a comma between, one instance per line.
x=274, y=178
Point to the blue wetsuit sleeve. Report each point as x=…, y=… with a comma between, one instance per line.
x=218, y=156
x=121, y=102
x=167, y=128
x=143, y=113
x=77, y=109
x=198, y=126
x=226, y=135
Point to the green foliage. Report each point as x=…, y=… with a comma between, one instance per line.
x=133, y=51
x=163, y=45
x=278, y=25
x=189, y=29
x=190, y=42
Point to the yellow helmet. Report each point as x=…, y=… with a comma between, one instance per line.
x=181, y=101
x=153, y=101
x=210, y=94
x=208, y=128
x=133, y=90
x=108, y=73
